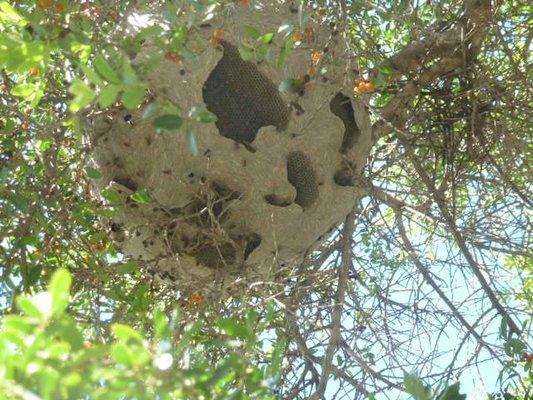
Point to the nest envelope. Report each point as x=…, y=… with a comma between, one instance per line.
x=273, y=175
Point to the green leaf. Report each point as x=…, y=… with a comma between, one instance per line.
x=108, y=95
x=83, y=95
x=246, y=53
x=17, y=323
x=126, y=333
x=105, y=70
x=191, y=141
x=513, y=347
x=161, y=327
x=251, y=32
x=23, y=89
x=416, y=387
x=59, y=289
x=284, y=52
x=91, y=74
x=129, y=77
x=121, y=354
x=452, y=393
x=168, y=122
x=290, y=85
x=503, y=328
x=234, y=328
x=149, y=32
x=44, y=145
x=141, y=197
x=8, y=13
x=39, y=305
x=133, y=96
x=387, y=71
x=67, y=329
x=93, y=173
x=111, y=196
x=277, y=357
x=223, y=373
x=266, y=38
x=71, y=379
x=128, y=267
x=20, y=201
x=202, y=115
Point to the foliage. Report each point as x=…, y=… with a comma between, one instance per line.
x=447, y=184
x=45, y=353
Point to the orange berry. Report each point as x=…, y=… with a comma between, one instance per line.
x=364, y=87
x=217, y=35
x=315, y=56
x=45, y=3
x=60, y=7
x=298, y=37
x=245, y=2
x=369, y=87
x=25, y=126
x=173, y=57
x=197, y=298
x=97, y=246
x=34, y=71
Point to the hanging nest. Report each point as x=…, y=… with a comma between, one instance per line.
x=264, y=183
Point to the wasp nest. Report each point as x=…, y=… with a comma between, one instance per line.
x=271, y=176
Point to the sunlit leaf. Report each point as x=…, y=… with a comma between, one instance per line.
x=83, y=95
x=133, y=96
x=416, y=387
x=141, y=197
x=108, y=95
x=93, y=173
x=105, y=70
x=125, y=332
x=59, y=289
x=234, y=328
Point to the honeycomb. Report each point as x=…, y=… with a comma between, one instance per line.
x=242, y=98
x=301, y=175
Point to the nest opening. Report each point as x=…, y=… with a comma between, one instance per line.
x=341, y=106
x=243, y=98
x=277, y=201
x=253, y=243
x=344, y=177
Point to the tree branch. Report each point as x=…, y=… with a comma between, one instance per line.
x=343, y=275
